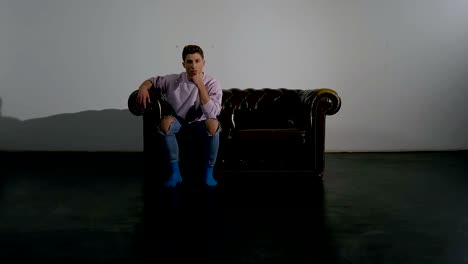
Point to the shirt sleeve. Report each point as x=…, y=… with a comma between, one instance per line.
x=213, y=107
x=159, y=82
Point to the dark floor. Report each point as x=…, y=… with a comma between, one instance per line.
x=370, y=208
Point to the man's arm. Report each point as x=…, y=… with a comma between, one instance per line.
x=202, y=91
x=146, y=85
x=158, y=82
x=143, y=94
x=210, y=98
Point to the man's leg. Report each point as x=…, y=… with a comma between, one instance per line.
x=209, y=132
x=167, y=133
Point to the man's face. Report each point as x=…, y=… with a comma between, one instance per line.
x=193, y=64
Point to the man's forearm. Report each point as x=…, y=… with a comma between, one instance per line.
x=146, y=85
x=203, y=93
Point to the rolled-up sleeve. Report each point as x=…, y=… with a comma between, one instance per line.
x=213, y=107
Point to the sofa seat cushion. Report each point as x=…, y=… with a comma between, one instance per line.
x=270, y=136
x=265, y=149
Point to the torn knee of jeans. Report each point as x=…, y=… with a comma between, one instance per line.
x=164, y=133
x=212, y=134
x=159, y=131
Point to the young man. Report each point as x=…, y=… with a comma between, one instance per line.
x=196, y=100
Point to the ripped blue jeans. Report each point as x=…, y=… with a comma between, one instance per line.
x=209, y=143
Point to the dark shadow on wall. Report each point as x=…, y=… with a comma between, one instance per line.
x=92, y=130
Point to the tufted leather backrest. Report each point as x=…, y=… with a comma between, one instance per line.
x=261, y=108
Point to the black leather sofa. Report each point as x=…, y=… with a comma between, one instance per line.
x=262, y=129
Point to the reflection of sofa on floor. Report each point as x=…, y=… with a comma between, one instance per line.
x=262, y=129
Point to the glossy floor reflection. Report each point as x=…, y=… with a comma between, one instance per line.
x=100, y=208
x=245, y=220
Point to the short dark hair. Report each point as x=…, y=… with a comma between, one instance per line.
x=191, y=49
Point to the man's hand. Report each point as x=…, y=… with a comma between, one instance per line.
x=143, y=94
x=203, y=93
x=142, y=97
x=198, y=80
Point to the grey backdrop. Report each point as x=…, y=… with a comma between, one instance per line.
x=400, y=66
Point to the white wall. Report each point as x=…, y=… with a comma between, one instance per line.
x=400, y=66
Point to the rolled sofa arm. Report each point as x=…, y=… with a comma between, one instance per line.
x=153, y=108
x=324, y=100
x=317, y=105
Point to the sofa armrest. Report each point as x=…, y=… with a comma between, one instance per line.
x=318, y=104
x=323, y=100
x=154, y=108
x=151, y=117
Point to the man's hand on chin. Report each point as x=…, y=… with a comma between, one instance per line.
x=198, y=79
